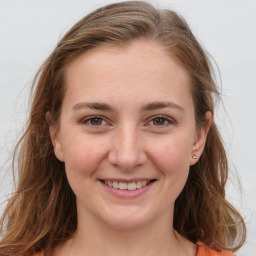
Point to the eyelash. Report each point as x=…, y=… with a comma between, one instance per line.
x=89, y=120
x=167, y=121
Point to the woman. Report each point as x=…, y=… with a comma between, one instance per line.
x=121, y=155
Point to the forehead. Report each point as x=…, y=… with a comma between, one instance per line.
x=149, y=51
x=141, y=67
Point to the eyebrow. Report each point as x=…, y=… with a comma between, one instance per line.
x=93, y=105
x=106, y=107
x=159, y=105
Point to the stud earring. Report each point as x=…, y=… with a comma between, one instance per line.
x=195, y=157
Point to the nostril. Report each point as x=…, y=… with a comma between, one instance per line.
x=127, y=155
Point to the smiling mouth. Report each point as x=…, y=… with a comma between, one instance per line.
x=127, y=185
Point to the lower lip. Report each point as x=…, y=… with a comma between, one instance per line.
x=123, y=193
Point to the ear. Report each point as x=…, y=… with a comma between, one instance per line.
x=200, y=138
x=53, y=130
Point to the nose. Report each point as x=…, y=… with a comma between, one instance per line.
x=127, y=150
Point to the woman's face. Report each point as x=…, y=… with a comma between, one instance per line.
x=127, y=133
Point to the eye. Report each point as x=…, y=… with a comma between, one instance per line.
x=94, y=121
x=161, y=121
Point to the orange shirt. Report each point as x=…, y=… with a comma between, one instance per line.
x=205, y=251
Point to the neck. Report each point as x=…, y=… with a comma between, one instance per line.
x=151, y=239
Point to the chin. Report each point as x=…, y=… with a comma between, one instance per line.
x=126, y=219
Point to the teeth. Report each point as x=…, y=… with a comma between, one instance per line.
x=139, y=184
x=115, y=184
x=132, y=186
x=122, y=185
x=127, y=186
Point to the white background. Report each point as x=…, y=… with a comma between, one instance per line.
x=30, y=29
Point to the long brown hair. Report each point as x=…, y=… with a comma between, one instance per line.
x=42, y=212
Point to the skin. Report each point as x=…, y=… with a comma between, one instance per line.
x=131, y=138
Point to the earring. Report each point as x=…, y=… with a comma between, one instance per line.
x=195, y=157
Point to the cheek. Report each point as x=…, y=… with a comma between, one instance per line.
x=172, y=159
x=82, y=156
x=172, y=156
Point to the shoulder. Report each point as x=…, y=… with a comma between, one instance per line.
x=203, y=250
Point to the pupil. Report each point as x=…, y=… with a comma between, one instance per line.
x=159, y=121
x=96, y=121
